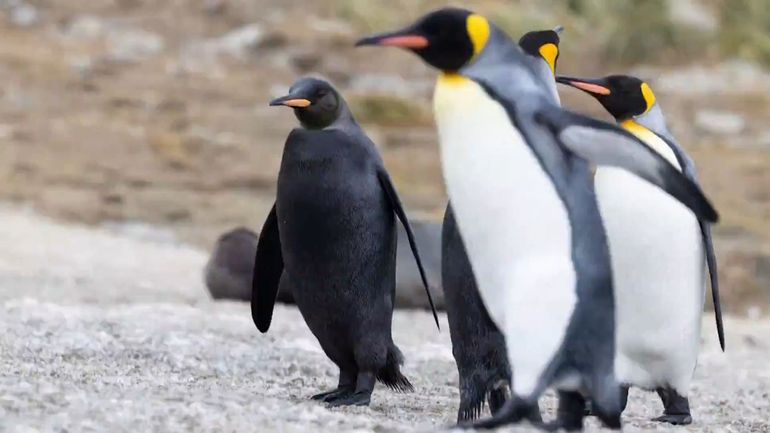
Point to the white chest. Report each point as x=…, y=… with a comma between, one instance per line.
x=657, y=260
x=513, y=223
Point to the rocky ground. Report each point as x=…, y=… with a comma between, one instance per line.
x=112, y=330
x=115, y=111
x=145, y=125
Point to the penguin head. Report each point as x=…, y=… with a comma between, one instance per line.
x=446, y=39
x=623, y=96
x=543, y=44
x=315, y=102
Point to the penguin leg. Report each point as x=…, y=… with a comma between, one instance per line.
x=676, y=408
x=607, y=400
x=513, y=411
x=623, y=401
x=472, y=393
x=346, y=385
x=499, y=394
x=570, y=414
x=362, y=394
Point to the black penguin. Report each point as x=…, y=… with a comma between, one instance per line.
x=331, y=236
x=478, y=346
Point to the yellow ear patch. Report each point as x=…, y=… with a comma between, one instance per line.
x=649, y=97
x=549, y=52
x=478, y=30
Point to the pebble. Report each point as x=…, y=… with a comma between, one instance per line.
x=719, y=122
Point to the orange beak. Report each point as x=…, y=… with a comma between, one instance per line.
x=590, y=87
x=413, y=42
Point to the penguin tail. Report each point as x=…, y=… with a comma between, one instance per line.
x=471, y=403
x=390, y=375
x=474, y=391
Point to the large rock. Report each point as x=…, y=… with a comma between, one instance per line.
x=204, y=56
x=410, y=292
x=228, y=272
x=720, y=122
x=124, y=43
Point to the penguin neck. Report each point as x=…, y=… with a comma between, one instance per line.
x=654, y=120
x=657, y=138
x=544, y=72
x=343, y=120
x=503, y=61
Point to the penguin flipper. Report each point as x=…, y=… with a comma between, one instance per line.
x=689, y=170
x=711, y=261
x=395, y=202
x=268, y=267
x=602, y=143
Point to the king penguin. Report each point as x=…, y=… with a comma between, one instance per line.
x=478, y=345
x=516, y=168
x=658, y=249
x=331, y=238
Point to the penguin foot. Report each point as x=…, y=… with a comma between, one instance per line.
x=570, y=413
x=354, y=399
x=676, y=407
x=557, y=425
x=679, y=419
x=498, y=396
x=513, y=411
x=331, y=395
x=589, y=411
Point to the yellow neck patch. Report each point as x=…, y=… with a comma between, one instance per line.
x=649, y=97
x=449, y=79
x=478, y=30
x=652, y=140
x=549, y=52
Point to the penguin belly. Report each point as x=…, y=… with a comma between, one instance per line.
x=513, y=223
x=658, y=265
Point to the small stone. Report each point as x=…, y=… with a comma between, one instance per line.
x=693, y=14
x=24, y=15
x=389, y=84
x=719, y=122
x=242, y=40
x=202, y=57
x=83, y=28
x=215, y=7
x=6, y=131
x=131, y=45
x=306, y=61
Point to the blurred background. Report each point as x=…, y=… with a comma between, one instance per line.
x=152, y=117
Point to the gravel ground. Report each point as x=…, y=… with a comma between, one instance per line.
x=105, y=331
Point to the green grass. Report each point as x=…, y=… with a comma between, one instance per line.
x=388, y=110
x=745, y=29
x=612, y=31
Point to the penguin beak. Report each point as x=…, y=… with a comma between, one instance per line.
x=594, y=87
x=291, y=100
x=558, y=29
x=406, y=38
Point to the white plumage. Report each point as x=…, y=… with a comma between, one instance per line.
x=658, y=265
x=514, y=225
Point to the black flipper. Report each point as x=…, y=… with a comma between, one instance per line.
x=688, y=168
x=268, y=267
x=391, y=374
x=711, y=261
x=605, y=144
x=395, y=202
